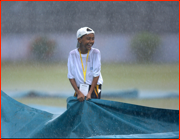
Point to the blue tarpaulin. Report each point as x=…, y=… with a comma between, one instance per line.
x=89, y=119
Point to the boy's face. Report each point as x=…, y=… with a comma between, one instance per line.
x=87, y=41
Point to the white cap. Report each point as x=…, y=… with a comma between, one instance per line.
x=84, y=31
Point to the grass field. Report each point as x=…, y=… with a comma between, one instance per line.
x=53, y=78
x=121, y=76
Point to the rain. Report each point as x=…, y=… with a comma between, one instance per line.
x=138, y=42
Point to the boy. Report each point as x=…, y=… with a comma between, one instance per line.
x=84, y=66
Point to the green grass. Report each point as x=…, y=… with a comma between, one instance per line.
x=53, y=77
x=144, y=77
x=43, y=77
x=61, y=102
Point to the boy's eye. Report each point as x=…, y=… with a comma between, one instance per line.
x=89, y=38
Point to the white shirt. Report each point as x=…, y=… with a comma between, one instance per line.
x=75, y=70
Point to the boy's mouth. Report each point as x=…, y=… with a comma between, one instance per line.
x=89, y=45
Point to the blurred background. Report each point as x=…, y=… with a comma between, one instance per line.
x=138, y=40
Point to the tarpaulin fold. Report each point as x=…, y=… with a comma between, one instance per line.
x=89, y=119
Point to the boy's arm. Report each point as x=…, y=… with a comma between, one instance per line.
x=80, y=95
x=94, y=83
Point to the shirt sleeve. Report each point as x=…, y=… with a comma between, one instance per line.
x=97, y=63
x=70, y=74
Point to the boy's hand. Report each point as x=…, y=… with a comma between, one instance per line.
x=80, y=96
x=88, y=96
